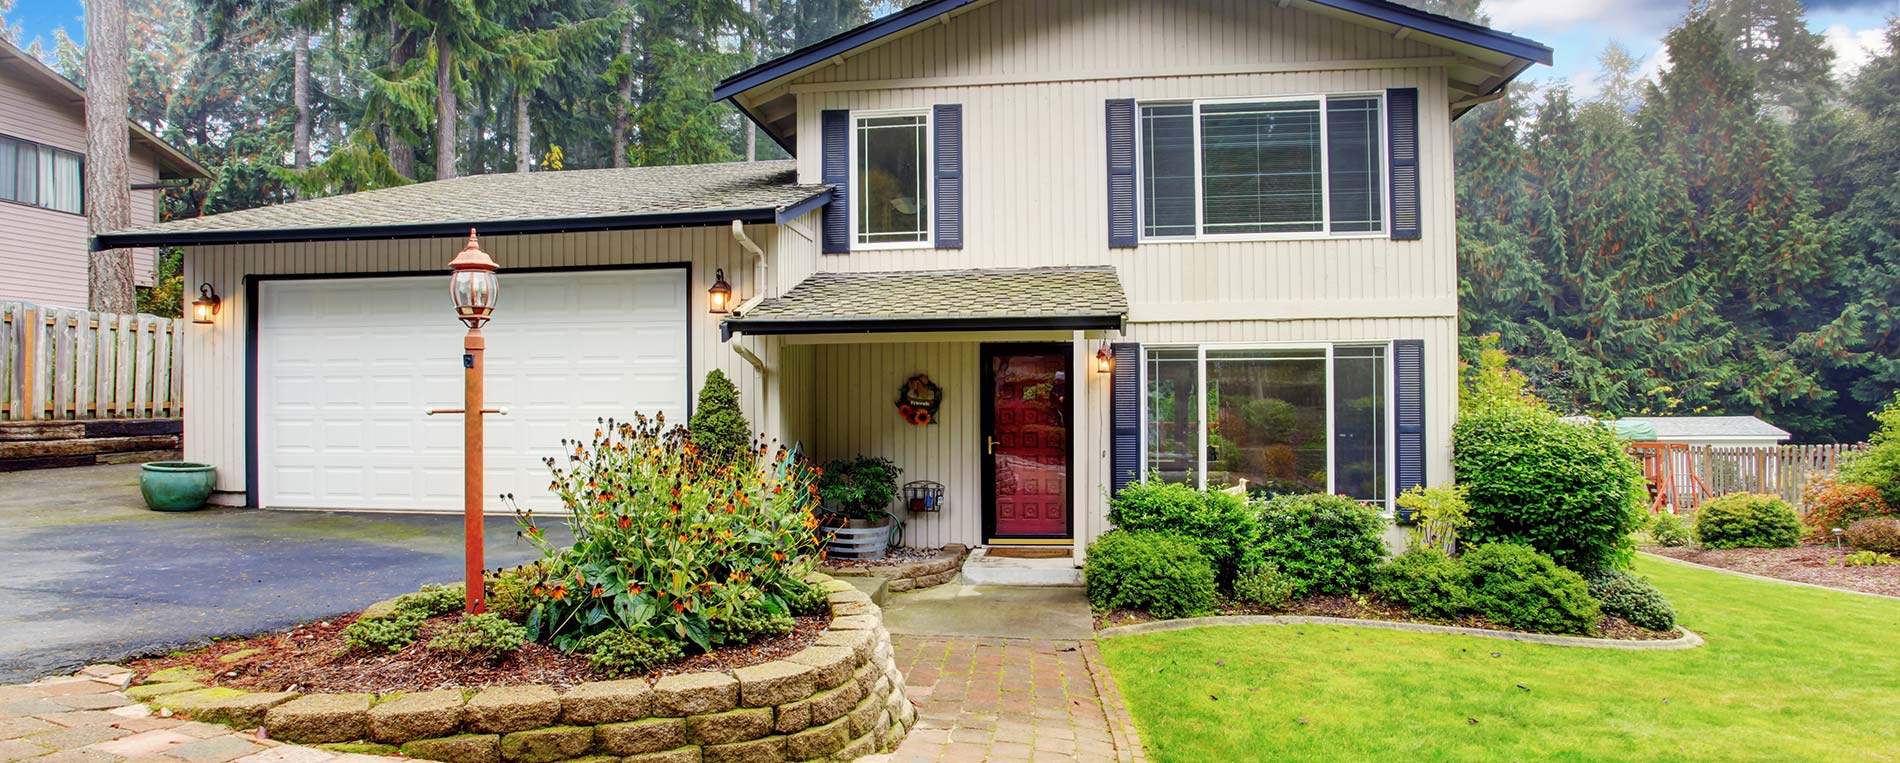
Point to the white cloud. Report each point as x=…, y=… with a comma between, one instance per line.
x=1621, y=16
x=1853, y=47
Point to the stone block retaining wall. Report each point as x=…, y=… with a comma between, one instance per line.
x=840, y=699
x=937, y=570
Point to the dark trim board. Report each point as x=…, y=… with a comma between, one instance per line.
x=761, y=215
x=987, y=408
x=918, y=325
x=253, y=314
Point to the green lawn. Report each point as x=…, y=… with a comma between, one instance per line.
x=1789, y=674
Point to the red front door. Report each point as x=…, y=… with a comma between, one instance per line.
x=1026, y=445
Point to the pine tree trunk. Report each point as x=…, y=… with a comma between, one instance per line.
x=445, y=112
x=300, y=97
x=623, y=99
x=524, y=131
x=108, y=184
x=402, y=153
x=751, y=42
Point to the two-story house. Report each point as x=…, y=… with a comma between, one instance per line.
x=42, y=194
x=1211, y=240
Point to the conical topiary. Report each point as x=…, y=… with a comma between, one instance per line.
x=718, y=427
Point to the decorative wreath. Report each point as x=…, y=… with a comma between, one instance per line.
x=918, y=399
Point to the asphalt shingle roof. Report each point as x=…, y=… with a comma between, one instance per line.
x=1669, y=427
x=508, y=202
x=1024, y=293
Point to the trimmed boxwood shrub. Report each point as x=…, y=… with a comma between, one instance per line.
x=1425, y=580
x=1747, y=520
x=1325, y=543
x=1568, y=490
x=1512, y=584
x=1216, y=522
x=1631, y=598
x=1264, y=585
x=1161, y=574
x=1880, y=535
x=1831, y=503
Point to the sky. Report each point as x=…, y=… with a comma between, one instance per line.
x=1578, y=30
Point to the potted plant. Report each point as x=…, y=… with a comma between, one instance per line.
x=858, y=492
x=176, y=485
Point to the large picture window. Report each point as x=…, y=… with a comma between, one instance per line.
x=891, y=179
x=42, y=176
x=1275, y=167
x=1279, y=419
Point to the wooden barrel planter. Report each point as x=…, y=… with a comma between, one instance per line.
x=859, y=542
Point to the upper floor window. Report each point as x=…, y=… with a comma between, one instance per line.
x=1262, y=167
x=891, y=179
x=42, y=176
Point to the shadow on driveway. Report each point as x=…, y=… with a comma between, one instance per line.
x=87, y=574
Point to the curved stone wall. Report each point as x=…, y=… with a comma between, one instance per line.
x=940, y=568
x=839, y=699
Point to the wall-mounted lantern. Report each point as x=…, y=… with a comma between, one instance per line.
x=1104, y=360
x=205, y=307
x=719, y=297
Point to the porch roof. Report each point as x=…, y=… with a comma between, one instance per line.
x=1069, y=298
x=515, y=202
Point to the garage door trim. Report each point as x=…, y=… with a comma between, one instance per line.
x=253, y=314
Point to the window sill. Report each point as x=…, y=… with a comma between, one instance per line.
x=42, y=208
x=893, y=247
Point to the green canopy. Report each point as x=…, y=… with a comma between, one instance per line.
x=1634, y=431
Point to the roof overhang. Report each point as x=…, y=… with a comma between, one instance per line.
x=1491, y=58
x=916, y=325
x=701, y=218
x=172, y=163
x=1069, y=298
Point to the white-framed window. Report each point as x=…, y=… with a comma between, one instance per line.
x=1287, y=418
x=42, y=176
x=891, y=194
x=1283, y=167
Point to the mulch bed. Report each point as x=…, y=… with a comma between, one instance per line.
x=313, y=657
x=1807, y=563
x=1371, y=607
x=895, y=557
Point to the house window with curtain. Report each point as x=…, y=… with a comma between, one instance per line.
x=891, y=179
x=41, y=176
x=1277, y=418
x=1262, y=168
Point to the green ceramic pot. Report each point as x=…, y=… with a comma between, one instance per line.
x=176, y=485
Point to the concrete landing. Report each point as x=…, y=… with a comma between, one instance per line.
x=983, y=569
x=979, y=611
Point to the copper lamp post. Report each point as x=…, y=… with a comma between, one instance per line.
x=474, y=289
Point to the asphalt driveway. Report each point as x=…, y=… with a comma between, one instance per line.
x=87, y=574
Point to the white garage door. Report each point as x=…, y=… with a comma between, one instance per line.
x=346, y=368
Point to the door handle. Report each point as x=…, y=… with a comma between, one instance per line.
x=989, y=445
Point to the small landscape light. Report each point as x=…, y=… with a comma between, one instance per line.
x=719, y=297
x=1838, y=532
x=205, y=307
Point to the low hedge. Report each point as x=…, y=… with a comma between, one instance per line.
x=1747, y=520
x=1512, y=584
x=1324, y=543
x=1427, y=581
x=1158, y=573
x=1631, y=598
x=1880, y=535
x=1218, y=523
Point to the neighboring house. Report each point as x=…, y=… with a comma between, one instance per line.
x=1245, y=207
x=1709, y=430
x=42, y=199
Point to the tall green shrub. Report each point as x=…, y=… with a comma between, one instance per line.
x=1568, y=490
x=719, y=428
x=1747, y=520
x=1218, y=523
x=1163, y=575
x=1879, y=466
x=1325, y=543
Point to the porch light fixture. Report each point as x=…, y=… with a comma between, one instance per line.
x=719, y=297
x=205, y=307
x=1104, y=360
x=473, y=285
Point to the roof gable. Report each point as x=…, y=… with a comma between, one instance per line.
x=937, y=41
x=172, y=163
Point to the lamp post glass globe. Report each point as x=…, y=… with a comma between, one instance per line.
x=473, y=287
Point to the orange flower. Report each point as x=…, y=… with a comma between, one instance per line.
x=626, y=522
x=634, y=588
x=559, y=593
x=923, y=417
x=599, y=592
x=679, y=606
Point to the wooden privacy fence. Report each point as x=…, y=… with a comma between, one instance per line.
x=1682, y=476
x=63, y=363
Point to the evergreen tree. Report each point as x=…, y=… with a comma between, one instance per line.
x=1871, y=240
x=718, y=425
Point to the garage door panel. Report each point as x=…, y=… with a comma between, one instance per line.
x=347, y=367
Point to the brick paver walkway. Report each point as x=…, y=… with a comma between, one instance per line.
x=85, y=719
x=1011, y=700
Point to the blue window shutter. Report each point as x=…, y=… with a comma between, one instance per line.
x=835, y=170
x=1122, y=225
x=1401, y=120
x=1408, y=368
x=1124, y=417
x=947, y=122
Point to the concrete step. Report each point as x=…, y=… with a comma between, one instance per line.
x=983, y=569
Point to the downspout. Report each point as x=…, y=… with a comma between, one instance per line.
x=758, y=295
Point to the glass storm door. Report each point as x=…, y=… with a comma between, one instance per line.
x=1026, y=442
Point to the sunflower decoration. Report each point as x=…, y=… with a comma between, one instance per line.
x=918, y=399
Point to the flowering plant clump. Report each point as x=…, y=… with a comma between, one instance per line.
x=669, y=540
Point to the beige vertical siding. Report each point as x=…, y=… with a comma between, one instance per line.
x=44, y=259
x=215, y=380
